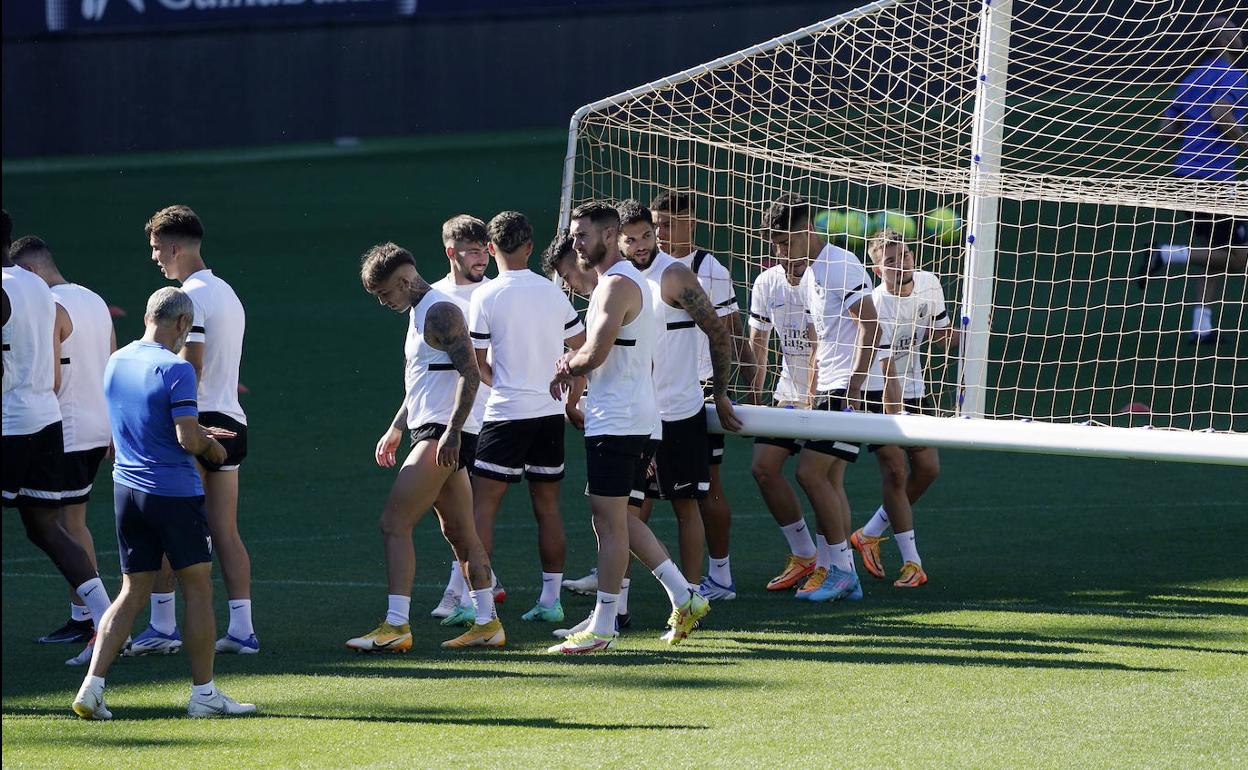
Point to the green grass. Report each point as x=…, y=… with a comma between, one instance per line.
x=1089, y=613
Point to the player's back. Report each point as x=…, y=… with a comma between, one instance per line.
x=716, y=281
x=219, y=324
x=676, y=375
x=84, y=354
x=29, y=366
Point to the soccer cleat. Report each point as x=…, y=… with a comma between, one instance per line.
x=384, y=638
x=450, y=600
x=480, y=635
x=716, y=592
x=73, y=632
x=564, y=633
x=817, y=576
x=500, y=593
x=795, y=568
x=1150, y=265
x=586, y=586
x=869, y=548
x=839, y=584
x=89, y=703
x=464, y=615
x=584, y=641
x=912, y=576
x=153, y=642
x=218, y=704
x=232, y=645
x=622, y=621
x=551, y=614
x=685, y=617
x=83, y=658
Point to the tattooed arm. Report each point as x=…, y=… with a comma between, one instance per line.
x=681, y=289
x=446, y=330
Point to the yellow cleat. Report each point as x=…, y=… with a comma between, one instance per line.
x=869, y=548
x=384, y=638
x=685, y=617
x=912, y=576
x=480, y=635
x=817, y=576
x=794, y=570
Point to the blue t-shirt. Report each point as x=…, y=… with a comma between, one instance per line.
x=1206, y=153
x=147, y=387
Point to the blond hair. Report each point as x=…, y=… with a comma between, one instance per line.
x=882, y=240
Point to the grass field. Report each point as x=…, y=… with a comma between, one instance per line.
x=1081, y=613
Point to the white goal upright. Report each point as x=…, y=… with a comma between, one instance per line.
x=1035, y=125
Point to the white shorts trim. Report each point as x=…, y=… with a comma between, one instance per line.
x=843, y=447
x=545, y=470
x=495, y=468
x=38, y=494
x=78, y=492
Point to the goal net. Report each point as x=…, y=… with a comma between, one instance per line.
x=1018, y=143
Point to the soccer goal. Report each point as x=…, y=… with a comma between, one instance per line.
x=1017, y=142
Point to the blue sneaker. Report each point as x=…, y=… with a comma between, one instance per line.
x=232, y=645
x=839, y=584
x=714, y=591
x=153, y=642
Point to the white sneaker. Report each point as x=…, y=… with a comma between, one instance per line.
x=83, y=658
x=450, y=600
x=217, y=705
x=89, y=703
x=586, y=586
x=564, y=633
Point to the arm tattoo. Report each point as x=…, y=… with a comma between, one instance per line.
x=693, y=299
x=445, y=330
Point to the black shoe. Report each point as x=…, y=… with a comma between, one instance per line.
x=1149, y=266
x=1208, y=338
x=72, y=632
x=623, y=621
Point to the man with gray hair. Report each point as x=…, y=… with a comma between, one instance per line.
x=159, y=500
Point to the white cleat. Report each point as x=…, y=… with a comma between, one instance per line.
x=218, y=704
x=83, y=658
x=446, y=607
x=89, y=703
x=564, y=633
x=586, y=586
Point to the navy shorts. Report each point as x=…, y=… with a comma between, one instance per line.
x=1218, y=230
x=151, y=526
x=432, y=431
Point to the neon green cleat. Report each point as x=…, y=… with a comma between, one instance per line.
x=585, y=641
x=686, y=616
x=551, y=614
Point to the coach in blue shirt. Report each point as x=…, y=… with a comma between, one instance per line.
x=159, y=500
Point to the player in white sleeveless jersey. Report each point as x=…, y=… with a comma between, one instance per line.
x=911, y=308
x=440, y=383
x=32, y=456
x=620, y=417
x=837, y=291
x=520, y=324
x=85, y=333
x=776, y=303
x=674, y=225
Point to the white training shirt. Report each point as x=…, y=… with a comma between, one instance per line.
x=84, y=354
x=219, y=324
x=461, y=295
x=834, y=282
x=777, y=304
x=29, y=402
x=522, y=318
x=430, y=380
x=717, y=283
x=621, y=398
x=676, y=382
x=904, y=323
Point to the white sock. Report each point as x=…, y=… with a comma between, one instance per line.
x=455, y=583
x=95, y=596
x=204, y=690
x=551, y=583
x=1202, y=319
x=483, y=601
x=1173, y=254
x=493, y=579
x=465, y=597
x=842, y=556
x=79, y=612
x=800, y=542
x=622, y=607
x=93, y=682
x=720, y=571
x=877, y=525
x=823, y=554
x=164, y=618
x=905, y=544
x=673, y=582
x=605, y=610
x=398, y=613
x=240, y=619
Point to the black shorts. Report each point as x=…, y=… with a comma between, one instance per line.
x=1218, y=230
x=78, y=474
x=832, y=401
x=644, y=485
x=432, y=431
x=875, y=404
x=714, y=441
x=794, y=445
x=32, y=467
x=611, y=464
x=509, y=450
x=150, y=527
x=682, y=462
x=235, y=448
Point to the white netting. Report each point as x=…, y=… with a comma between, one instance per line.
x=874, y=112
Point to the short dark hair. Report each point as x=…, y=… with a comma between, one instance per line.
x=788, y=213
x=463, y=227
x=599, y=212
x=175, y=222
x=670, y=202
x=8, y=227
x=560, y=247
x=509, y=231
x=631, y=211
x=380, y=262
x=29, y=248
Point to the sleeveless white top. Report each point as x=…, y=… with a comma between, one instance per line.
x=621, y=398
x=29, y=369
x=461, y=295
x=429, y=377
x=677, y=386
x=84, y=354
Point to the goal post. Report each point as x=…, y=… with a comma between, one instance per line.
x=1015, y=143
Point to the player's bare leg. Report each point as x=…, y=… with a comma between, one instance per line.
x=455, y=515
x=822, y=477
x=221, y=503
x=112, y=629
x=487, y=497
x=717, y=523
x=781, y=499
x=74, y=518
x=551, y=541
x=416, y=486
x=691, y=538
